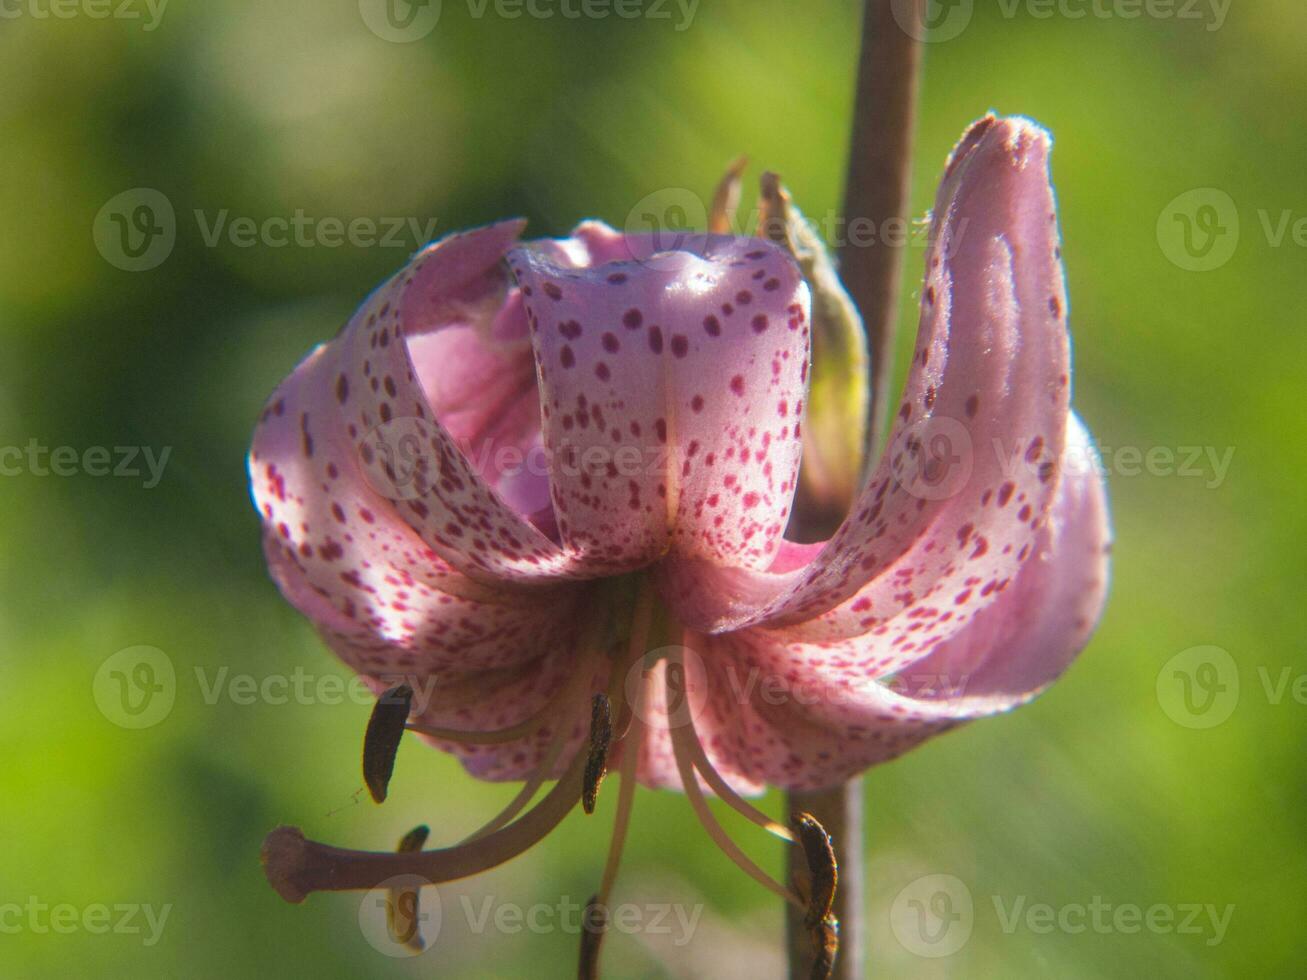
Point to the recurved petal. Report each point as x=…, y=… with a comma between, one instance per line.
x=1024, y=640
x=405, y=617
x=352, y=427
x=817, y=714
x=965, y=484
x=342, y=555
x=671, y=393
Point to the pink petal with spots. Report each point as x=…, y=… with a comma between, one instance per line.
x=358, y=405
x=480, y=381
x=817, y=714
x=1023, y=641
x=955, y=504
x=672, y=394
x=387, y=621
x=491, y=700
x=344, y=558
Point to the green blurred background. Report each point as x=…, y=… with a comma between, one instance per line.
x=1110, y=788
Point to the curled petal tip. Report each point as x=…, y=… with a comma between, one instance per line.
x=1023, y=139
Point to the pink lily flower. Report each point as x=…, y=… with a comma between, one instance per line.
x=664, y=393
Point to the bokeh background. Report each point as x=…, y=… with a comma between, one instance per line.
x=1112, y=788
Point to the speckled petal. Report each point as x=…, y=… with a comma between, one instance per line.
x=817, y=714
x=672, y=395
x=344, y=558
x=353, y=420
x=491, y=700
x=946, y=519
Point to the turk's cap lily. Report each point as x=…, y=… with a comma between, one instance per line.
x=665, y=401
x=644, y=565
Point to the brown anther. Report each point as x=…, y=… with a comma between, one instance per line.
x=414, y=839
x=593, y=925
x=823, y=875
x=381, y=741
x=826, y=947
x=823, y=869
x=601, y=736
x=402, y=904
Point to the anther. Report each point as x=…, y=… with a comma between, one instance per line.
x=826, y=943
x=823, y=875
x=403, y=904
x=601, y=736
x=593, y=925
x=381, y=741
x=823, y=869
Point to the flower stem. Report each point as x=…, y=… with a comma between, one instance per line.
x=876, y=191
x=877, y=185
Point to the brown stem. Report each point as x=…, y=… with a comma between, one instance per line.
x=877, y=185
x=876, y=191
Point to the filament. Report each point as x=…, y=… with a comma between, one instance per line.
x=681, y=735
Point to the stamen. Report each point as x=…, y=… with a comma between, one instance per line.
x=822, y=866
x=402, y=904
x=826, y=943
x=823, y=874
x=680, y=738
x=632, y=741
x=381, y=740
x=562, y=729
x=726, y=198
x=593, y=925
x=596, y=766
x=631, y=746
x=529, y=788
x=719, y=786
